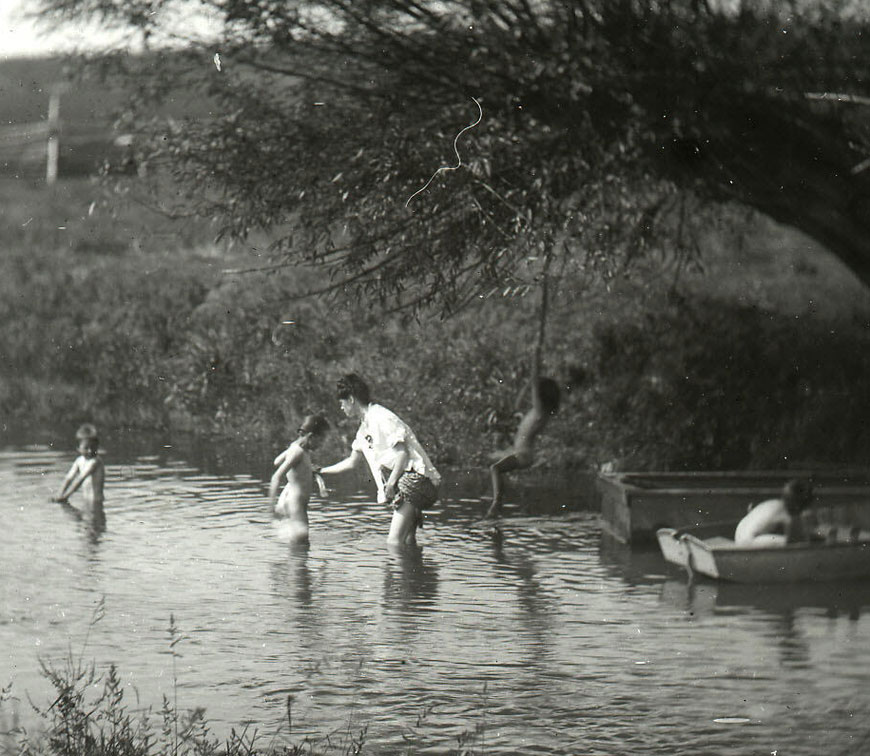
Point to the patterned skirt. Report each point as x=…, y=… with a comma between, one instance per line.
x=414, y=489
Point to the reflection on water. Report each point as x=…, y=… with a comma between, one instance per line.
x=638, y=566
x=291, y=576
x=543, y=635
x=92, y=520
x=843, y=599
x=410, y=581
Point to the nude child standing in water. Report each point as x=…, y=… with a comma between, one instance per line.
x=87, y=473
x=295, y=464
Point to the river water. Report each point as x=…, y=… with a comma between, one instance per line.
x=549, y=639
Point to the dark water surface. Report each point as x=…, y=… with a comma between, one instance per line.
x=550, y=640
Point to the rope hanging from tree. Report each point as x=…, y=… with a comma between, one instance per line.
x=542, y=312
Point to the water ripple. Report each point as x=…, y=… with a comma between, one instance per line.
x=544, y=639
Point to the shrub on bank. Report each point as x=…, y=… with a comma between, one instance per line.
x=138, y=333
x=702, y=386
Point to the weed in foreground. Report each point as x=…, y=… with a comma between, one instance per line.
x=89, y=716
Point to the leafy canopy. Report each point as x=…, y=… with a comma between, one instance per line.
x=606, y=125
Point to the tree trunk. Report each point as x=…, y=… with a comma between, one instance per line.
x=796, y=168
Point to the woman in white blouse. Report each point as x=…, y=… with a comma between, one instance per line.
x=403, y=472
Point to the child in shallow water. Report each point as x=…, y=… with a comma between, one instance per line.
x=295, y=463
x=545, y=404
x=87, y=472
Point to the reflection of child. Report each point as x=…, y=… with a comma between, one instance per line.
x=295, y=463
x=87, y=472
x=545, y=404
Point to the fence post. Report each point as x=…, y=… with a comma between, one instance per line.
x=53, y=146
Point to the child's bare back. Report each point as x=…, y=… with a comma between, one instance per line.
x=293, y=501
x=531, y=424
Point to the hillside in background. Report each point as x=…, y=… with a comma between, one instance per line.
x=89, y=108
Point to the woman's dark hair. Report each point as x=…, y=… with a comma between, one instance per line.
x=351, y=385
x=548, y=390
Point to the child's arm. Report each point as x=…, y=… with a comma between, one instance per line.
x=67, y=482
x=84, y=472
x=289, y=458
x=534, y=380
x=532, y=385
x=321, y=484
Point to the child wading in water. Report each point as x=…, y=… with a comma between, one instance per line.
x=294, y=462
x=87, y=473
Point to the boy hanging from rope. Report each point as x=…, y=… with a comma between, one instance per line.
x=545, y=404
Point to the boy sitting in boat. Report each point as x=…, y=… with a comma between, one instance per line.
x=776, y=522
x=295, y=463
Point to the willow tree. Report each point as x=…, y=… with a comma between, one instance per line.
x=573, y=127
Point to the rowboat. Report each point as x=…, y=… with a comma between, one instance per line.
x=844, y=554
x=635, y=505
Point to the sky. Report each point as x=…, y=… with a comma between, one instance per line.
x=20, y=37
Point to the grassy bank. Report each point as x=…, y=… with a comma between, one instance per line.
x=116, y=314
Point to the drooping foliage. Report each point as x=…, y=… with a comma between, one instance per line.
x=603, y=124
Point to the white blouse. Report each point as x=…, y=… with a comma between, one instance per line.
x=377, y=436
